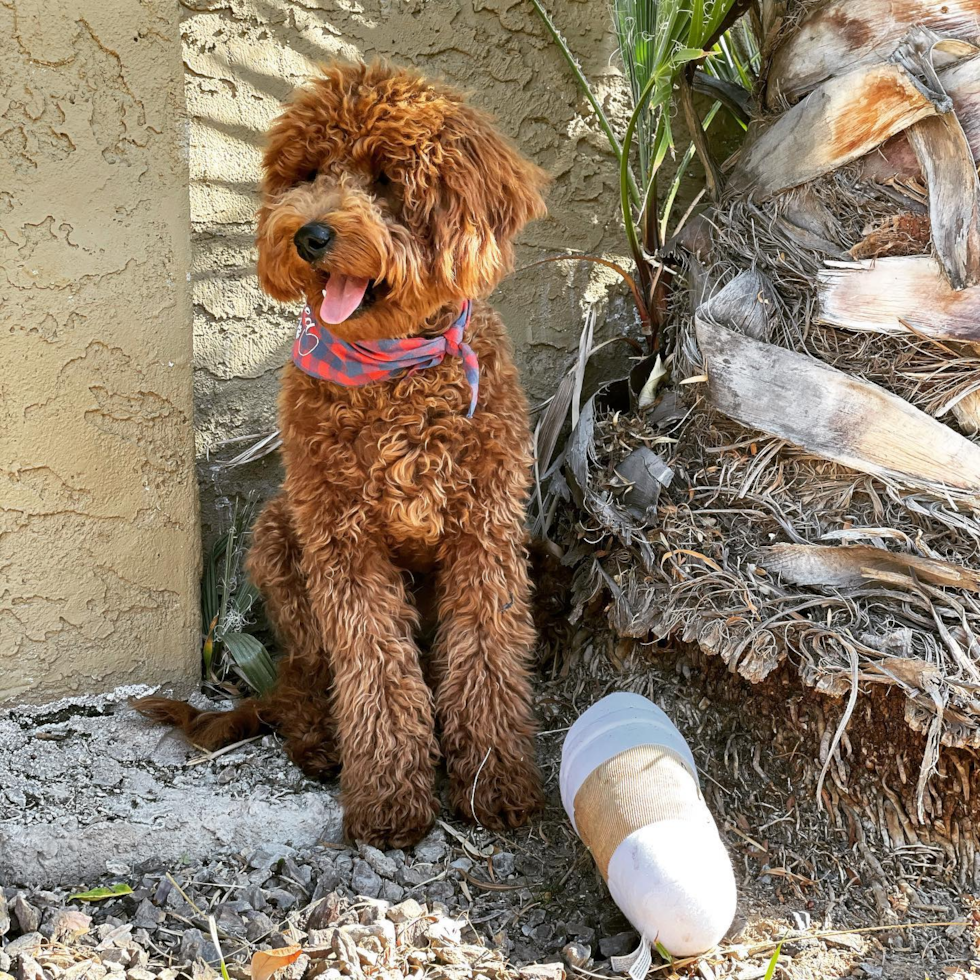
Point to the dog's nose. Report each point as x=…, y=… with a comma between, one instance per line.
x=313, y=240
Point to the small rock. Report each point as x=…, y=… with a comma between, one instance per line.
x=374, y=910
x=503, y=864
x=267, y=855
x=405, y=911
x=163, y=891
x=577, y=955
x=392, y=892
x=193, y=946
x=139, y=973
x=300, y=873
x=621, y=944
x=27, y=968
x=29, y=943
x=445, y=930
x=24, y=914
x=462, y=864
x=327, y=883
x=4, y=915
x=383, y=930
x=417, y=874
x=325, y=913
x=297, y=968
x=532, y=919
x=259, y=927
x=543, y=933
x=430, y=851
x=5, y=962
x=440, y=891
x=138, y=957
x=378, y=860
x=147, y=915
x=542, y=971
x=364, y=880
x=113, y=931
x=255, y=897
x=65, y=924
x=115, y=954
x=282, y=898
x=229, y=921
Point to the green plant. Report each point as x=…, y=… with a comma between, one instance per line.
x=661, y=43
x=228, y=601
x=773, y=963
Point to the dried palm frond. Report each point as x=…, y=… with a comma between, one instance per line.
x=842, y=35
x=848, y=117
x=819, y=415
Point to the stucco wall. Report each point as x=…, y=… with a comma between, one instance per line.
x=243, y=57
x=98, y=527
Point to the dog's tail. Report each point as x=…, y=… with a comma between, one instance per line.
x=207, y=729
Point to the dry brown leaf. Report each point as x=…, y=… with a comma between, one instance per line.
x=266, y=962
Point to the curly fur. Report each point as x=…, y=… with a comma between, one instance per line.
x=392, y=480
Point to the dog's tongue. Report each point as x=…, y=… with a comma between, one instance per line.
x=341, y=296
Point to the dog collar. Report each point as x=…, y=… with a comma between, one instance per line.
x=317, y=352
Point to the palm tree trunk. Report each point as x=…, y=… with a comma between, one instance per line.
x=825, y=515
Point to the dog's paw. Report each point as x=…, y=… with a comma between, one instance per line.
x=317, y=761
x=397, y=821
x=506, y=793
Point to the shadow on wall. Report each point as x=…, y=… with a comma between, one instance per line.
x=241, y=61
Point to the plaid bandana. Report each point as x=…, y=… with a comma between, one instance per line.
x=320, y=354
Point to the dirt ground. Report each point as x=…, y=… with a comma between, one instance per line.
x=530, y=894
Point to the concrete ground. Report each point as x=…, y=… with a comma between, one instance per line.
x=88, y=786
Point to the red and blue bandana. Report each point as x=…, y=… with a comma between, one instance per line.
x=320, y=354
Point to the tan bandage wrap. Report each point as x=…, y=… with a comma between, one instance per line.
x=640, y=786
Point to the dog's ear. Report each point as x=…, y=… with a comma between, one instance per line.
x=488, y=193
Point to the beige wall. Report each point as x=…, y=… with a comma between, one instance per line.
x=98, y=528
x=244, y=56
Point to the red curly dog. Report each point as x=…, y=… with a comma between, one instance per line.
x=388, y=203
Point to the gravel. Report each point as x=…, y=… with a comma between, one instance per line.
x=463, y=904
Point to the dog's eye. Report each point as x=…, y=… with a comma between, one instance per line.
x=311, y=176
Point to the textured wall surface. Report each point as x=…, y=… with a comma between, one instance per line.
x=98, y=526
x=243, y=57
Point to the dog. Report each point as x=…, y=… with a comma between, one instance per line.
x=389, y=206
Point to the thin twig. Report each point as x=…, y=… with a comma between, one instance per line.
x=184, y=895
x=473, y=790
x=491, y=886
x=228, y=748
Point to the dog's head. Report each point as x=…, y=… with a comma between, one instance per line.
x=386, y=198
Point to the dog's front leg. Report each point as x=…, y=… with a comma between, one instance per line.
x=382, y=705
x=483, y=697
